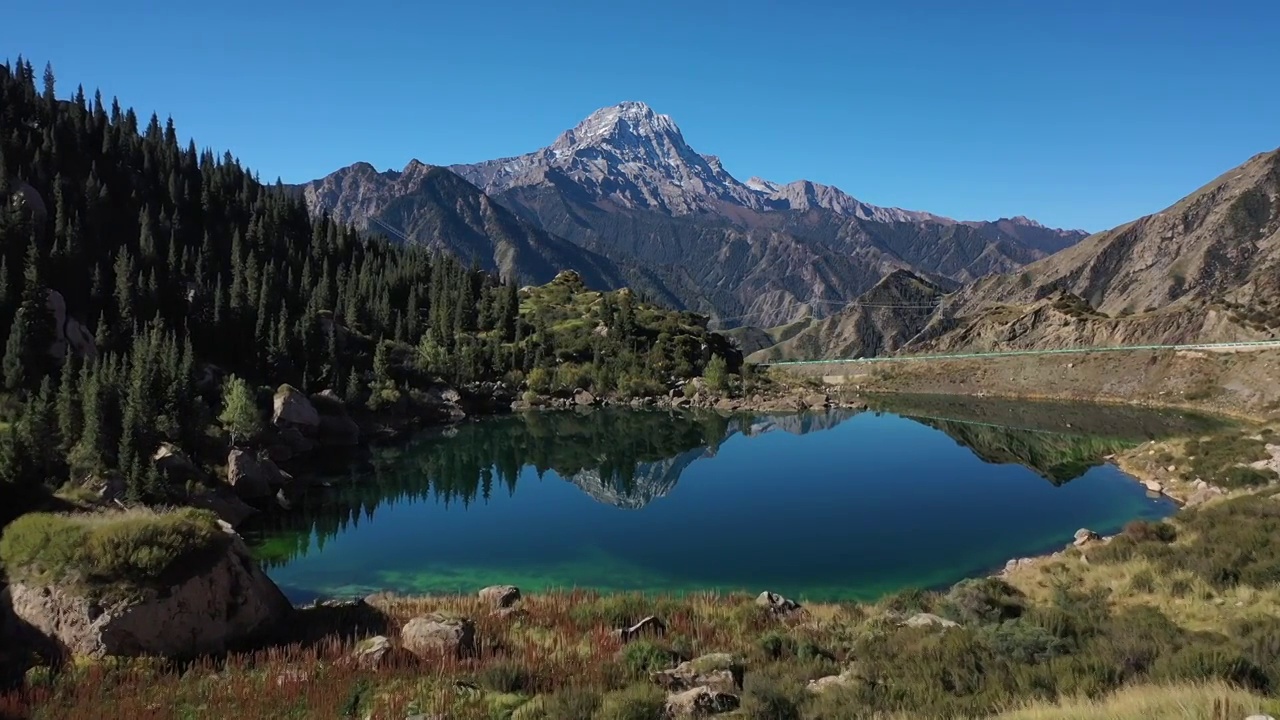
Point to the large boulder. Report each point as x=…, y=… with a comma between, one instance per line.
x=212, y=610
x=294, y=410
x=700, y=702
x=336, y=426
x=584, y=398
x=718, y=671
x=500, y=596
x=248, y=475
x=438, y=634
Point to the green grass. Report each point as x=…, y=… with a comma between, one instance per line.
x=108, y=549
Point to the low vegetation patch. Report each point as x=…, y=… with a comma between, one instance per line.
x=136, y=547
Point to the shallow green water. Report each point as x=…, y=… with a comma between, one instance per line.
x=818, y=506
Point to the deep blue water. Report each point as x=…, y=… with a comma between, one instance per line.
x=832, y=506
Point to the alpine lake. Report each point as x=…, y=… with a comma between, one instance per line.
x=842, y=505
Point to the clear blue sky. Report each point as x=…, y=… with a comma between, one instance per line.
x=1085, y=113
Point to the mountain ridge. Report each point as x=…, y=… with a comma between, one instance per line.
x=625, y=186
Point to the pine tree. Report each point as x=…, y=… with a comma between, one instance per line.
x=69, y=412
x=89, y=455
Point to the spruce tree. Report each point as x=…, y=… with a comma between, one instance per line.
x=70, y=415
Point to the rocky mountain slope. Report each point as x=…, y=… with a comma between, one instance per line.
x=881, y=320
x=434, y=207
x=625, y=185
x=1205, y=269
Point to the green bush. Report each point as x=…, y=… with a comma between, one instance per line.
x=1024, y=642
x=637, y=702
x=767, y=698
x=1242, y=476
x=505, y=677
x=133, y=547
x=776, y=645
x=911, y=600
x=982, y=600
x=571, y=704
x=643, y=657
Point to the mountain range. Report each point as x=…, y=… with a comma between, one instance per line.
x=625, y=200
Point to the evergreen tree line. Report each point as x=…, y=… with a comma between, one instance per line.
x=185, y=267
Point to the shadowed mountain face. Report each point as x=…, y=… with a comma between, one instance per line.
x=624, y=185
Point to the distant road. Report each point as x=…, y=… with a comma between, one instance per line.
x=1248, y=346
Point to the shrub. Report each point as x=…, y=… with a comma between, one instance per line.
x=1142, y=582
x=982, y=600
x=643, y=657
x=637, y=702
x=911, y=600
x=505, y=677
x=570, y=704
x=776, y=645
x=716, y=373
x=766, y=698
x=1143, y=531
x=1024, y=642
x=539, y=381
x=1243, y=476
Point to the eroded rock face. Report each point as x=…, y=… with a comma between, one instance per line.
x=435, y=635
x=212, y=611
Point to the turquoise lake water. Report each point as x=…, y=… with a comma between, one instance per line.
x=838, y=505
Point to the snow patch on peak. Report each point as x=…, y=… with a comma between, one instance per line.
x=759, y=184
